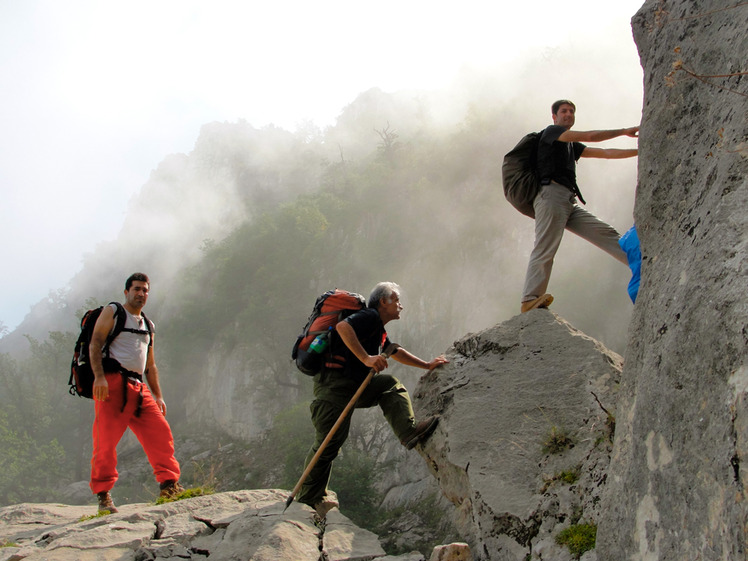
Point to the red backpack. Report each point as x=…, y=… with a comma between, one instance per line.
x=313, y=349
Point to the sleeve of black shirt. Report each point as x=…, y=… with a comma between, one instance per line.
x=578, y=149
x=551, y=134
x=369, y=330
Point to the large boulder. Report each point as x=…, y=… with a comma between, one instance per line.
x=523, y=443
x=678, y=482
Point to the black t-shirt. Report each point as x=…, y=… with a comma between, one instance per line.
x=557, y=160
x=373, y=338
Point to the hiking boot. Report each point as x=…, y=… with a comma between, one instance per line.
x=541, y=302
x=328, y=502
x=170, y=489
x=106, y=504
x=420, y=433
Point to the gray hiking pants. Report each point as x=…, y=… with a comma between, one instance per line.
x=555, y=210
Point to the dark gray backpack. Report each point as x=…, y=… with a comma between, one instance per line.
x=519, y=174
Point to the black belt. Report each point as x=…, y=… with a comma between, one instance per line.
x=113, y=366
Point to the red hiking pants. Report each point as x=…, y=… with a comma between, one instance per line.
x=150, y=428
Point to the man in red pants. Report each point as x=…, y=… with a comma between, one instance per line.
x=122, y=400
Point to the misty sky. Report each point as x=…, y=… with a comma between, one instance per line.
x=95, y=94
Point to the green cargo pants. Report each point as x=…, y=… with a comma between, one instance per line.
x=333, y=392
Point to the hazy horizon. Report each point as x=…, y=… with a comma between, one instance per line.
x=97, y=99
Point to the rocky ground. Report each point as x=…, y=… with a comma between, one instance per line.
x=238, y=525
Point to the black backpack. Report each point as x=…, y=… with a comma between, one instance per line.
x=519, y=174
x=317, y=344
x=81, y=375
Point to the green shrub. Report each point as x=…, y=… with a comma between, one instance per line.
x=566, y=477
x=578, y=538
x=99, y=514
x=186, y=494
x=353, y=476
x=428, y=534
x=557, y=440
x=569, y=476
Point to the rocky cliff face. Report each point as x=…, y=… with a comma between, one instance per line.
x=523, y=444
x=225, y=397
x=677, y=487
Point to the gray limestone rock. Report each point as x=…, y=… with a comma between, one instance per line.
x=523, y=443
x=340, y=539
x=239, y=525
x=678, y=482
x=452, y=552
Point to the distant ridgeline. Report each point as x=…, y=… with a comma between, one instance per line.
x=239, y=237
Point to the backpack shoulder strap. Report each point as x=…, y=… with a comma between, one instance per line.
x=119, y=324
x=148, y=327
x=535, y=145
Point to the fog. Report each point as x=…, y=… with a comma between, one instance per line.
x=100, y=101
x=250, y=159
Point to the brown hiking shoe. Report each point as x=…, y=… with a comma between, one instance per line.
x=328, y=502
x=170, y=489
x=420, y=433
x=541, y=302
x=106, y=504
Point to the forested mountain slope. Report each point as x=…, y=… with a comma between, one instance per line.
x=240, y=236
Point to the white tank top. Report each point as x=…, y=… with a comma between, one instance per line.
x=131, y=349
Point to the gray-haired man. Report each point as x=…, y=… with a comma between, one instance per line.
x=361, y=338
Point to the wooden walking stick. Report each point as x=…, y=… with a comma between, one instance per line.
x=391, y=348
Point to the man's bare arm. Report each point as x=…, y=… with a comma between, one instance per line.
x=409, y=359
x=597, y=136
x=151, y=376
x=609, y=153
x=151, y=371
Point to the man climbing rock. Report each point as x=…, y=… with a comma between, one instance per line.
x=556, y=205
x=362, y=337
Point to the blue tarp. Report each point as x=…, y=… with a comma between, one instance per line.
x=629, y=243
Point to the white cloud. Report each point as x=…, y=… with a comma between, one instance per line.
x=96, y=94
